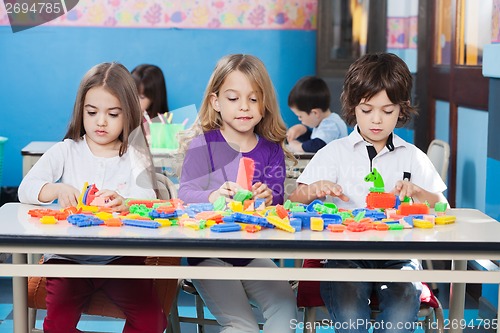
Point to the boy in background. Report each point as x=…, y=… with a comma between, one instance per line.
x=309, y=99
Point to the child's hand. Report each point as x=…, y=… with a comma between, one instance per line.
x=405, y=188
x=323, y=188
x=295, y=131
x=116, y=201
x=67, y=195
x=228, y=190
x=262, y=191
x=295, y=146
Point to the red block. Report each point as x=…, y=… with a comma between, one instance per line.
x=246, y=170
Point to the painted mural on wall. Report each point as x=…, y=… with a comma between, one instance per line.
x=189, y=14
x=495, y=22
x=402, y=32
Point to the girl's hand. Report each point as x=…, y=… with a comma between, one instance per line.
x=262, y=191
x=405, y=188
x=228, y=190
x=115, y=201
x=67, y=195
x=323, y=188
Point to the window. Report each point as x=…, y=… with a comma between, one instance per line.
x=343, y=33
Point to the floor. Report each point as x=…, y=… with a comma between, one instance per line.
x=186, y=308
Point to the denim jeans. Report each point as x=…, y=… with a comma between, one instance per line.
x=348, y=303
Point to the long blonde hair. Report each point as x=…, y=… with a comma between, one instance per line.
x=271, y=127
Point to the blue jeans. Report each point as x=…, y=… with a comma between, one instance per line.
x=348, y=303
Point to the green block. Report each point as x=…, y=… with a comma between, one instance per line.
x=242, y=195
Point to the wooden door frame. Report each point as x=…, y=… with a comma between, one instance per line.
x=461, y=86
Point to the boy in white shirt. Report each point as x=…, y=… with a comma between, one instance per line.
x=375, y=97
x=309, y=100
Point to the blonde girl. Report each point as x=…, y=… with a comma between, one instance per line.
x=239, y=117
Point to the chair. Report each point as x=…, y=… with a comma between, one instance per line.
x=309, y=298
x=100, y=304
x=439, y=154
x=200, y=320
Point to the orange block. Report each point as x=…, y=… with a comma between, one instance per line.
x=415, y=208
x=336, y=227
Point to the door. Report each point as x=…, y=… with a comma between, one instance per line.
x=451, y=34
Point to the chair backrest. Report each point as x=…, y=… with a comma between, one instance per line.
x=439, y=154
x=166, y=187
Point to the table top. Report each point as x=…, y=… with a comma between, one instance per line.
x=37, y=148
x=473, y=231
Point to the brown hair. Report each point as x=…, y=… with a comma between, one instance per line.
x=116, y=79
x=271, y=127
x=310, y=92
x=373, y=73
x=150, y=82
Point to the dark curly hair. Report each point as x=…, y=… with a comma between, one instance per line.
x=373, y=73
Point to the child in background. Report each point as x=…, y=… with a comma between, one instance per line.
x=309, y=100
x=239, y=117
x=152, y=89
x=375, y=98
x=152, y=92
x=103, y=147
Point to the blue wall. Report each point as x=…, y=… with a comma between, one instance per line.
x=42, y=67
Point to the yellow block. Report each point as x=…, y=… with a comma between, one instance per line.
x=445, y=219
x=280, y=224
x=317, y=224
x=422, y=224
x=164, y=222
x=48, y=219
x=104, y=215
x=236, y=206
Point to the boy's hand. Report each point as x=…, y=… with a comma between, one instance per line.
x=67, y=195
x=323, y=188
x=295, y=146
x=295, y=131
x=228, y=190
x=262, y=191
x=116, y=201
x=405, y=188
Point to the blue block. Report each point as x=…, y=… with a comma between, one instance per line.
x=296, y=223
x=409, y=220
x=142, y=223
x=83, y=220
x=310, y=207
x=305, y=217
x=225, y=227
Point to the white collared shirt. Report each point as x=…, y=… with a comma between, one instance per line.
x=346, y=162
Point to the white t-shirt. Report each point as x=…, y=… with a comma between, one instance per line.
x=72, y=162
x=346, y=162
x=330, y=128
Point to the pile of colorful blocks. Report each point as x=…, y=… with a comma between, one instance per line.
x=244, y=213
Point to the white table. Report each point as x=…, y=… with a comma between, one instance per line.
x=32, y=153
x=474, y=236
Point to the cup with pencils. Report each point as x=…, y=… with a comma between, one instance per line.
x=164, y=133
